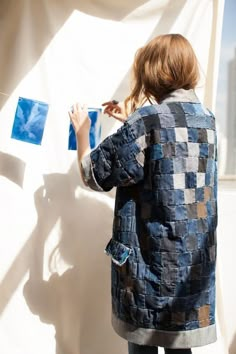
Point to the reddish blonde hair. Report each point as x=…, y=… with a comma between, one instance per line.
x=165, y=64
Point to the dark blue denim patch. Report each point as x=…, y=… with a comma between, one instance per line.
x=165, y=181
x=190, y=180
x=156, y=152
x=193, y=135
x=166, y=166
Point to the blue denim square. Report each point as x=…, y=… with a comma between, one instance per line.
x=179, y=196
x=202, y=225
x=179, y=164
x=167, y=120
x=199, y=194
x=192, y=108
x=201, y=240
x=208, y=179
x=167, y=166
x=190, y=180
x=210, y=166
x=202, y=136
x=203, y=150
x=163, y=135
x=199, y=122
x=169, y=149
x=192, y=226
x=180, y=120
x=165, y=181
x=181, y=149
x=168, y=197
x=192, y=135
x=181, y=228
x=181, y=212
x=156, y=152
x=209, y=208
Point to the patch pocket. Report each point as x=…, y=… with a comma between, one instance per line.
x=119, y=253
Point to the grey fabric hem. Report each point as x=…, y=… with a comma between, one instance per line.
x=167, y=339
x=88, y=175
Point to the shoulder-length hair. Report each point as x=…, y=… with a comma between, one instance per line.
x=165, y=64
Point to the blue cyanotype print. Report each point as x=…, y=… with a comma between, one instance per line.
x=95, y=130
x=29, y=120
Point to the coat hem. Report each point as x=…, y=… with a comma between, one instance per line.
x=167, y=339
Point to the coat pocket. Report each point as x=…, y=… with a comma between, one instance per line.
x=119, y=253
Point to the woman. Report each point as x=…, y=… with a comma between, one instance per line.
x=163, y=163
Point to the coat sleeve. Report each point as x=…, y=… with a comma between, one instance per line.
x=117, y=161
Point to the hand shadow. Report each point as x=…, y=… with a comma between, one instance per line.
x=75, y=302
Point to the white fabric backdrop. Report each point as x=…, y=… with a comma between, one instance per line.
x=53, y=230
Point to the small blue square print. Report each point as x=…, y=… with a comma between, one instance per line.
x=29, y=121
x=95, y=130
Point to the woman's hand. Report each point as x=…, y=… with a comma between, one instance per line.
x=81, y=123
x=116, y=110
x=79, y=118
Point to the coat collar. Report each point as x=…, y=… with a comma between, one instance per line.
x=182, y=95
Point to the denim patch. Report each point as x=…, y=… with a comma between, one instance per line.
x=198, y=122
x=204, y=152
x=167, y=197
x=201, y=179
x=192, y=226
x=193, y=149
x=202, y=164
x=193, y=135
x=165, y=181
x=191, y=164
x=179, y=196
x=181, y=149
x=210, y=166
x=181, y=228
x=180, y=212
x=151, y=123
x=169, y=150
x=154, y=136
x=202, y=136
x=181, y=134
x=180, y=120
x=189, y=196
x=166, y=166
x=208, y=179
x=156, y=152
x=211, y=150
x=179, y=164
x=167, y=120
x=199, y=194
x=179, y=180
x=190, y=180
x=210, y=136
x=167, y=135
x=191, y=108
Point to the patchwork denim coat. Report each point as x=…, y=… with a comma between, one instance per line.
x=163, y=246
